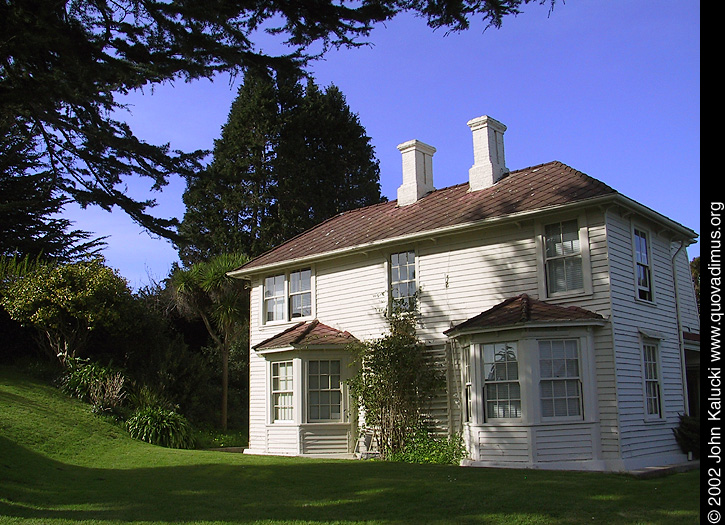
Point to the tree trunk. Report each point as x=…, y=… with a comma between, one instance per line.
x=225, y=384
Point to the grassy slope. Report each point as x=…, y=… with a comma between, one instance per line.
x=61, y=464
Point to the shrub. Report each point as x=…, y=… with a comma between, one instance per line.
x=425, y=447
x=161, y=426
x=108, y=393
x=687, y=435
x=81, y=375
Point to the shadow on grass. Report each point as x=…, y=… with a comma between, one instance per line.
x=241, y=489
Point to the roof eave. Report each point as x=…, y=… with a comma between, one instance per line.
x=454, y=333
x=680, y=232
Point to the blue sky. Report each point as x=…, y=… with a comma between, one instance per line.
x=609, y=87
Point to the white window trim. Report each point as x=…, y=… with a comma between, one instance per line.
x=300, y=387
x=580, y=378
x=389, y=274
x=344, y=408
x=585, y=255
x=655, y=344
x=286, y=313
x=271, y=391
x=529, y=376
x=650, y=254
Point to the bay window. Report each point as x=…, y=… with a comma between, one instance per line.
x=282, y=393
x=560, y=380
x=502, y=391
x=324, y=391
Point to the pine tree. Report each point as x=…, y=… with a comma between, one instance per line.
x=289, y=157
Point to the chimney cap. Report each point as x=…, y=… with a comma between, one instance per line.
x=418, y=145
x=485, y=120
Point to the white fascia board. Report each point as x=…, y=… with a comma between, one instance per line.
x=680, y=231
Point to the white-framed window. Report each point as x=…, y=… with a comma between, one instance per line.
x=288, y=296
x=643, y=265
x=324, y=390
x=300, y=294
x=282, y=392
x=402, y=278
x=501, y=387
x=467, y=385
x=651, y=378
x=274, y=298
x=563, y=261
x=560, y=378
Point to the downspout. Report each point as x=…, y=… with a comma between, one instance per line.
x=680, y=340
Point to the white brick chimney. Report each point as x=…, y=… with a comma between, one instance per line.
x=489, y=162
x=417, y=171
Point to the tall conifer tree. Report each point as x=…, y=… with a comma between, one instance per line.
x=289, y=157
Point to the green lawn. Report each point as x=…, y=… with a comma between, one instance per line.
x=59, y=463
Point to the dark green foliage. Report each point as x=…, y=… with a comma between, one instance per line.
x=687, y=435
x=30, y=204
x=289, y=157
x=160, y=426
x=204, y=291
x=394, y=384
x=62, y=65
x=424, y=446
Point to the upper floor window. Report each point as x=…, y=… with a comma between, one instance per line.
x=286, y=299
x=300, y=294
x=560, y=381
x=563, y=257
x=274, y=298
x=643, y=265
x=501, y=389
x=402, y=278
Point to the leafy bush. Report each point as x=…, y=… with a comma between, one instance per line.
x=101, y=386
x=425, y=447
x=687, y=435
x=161, y=426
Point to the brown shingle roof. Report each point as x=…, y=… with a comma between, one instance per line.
x=523, y=309
x=533, y=188
x=307, y=334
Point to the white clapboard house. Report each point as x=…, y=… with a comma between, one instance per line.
x=562, y=311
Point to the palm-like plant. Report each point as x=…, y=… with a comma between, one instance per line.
x=205, y=291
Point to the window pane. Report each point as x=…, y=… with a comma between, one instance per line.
x=560, y=386
x=502, y=392
x=325, y=396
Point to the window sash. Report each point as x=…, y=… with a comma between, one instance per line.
x=402, y=277
x=560, y=378
x=564, y=268
x=324, y=390
x=501, y=389
x=643, y=269
x=288, y=296
x=300, y=294
x=653, y=394
x=282, y=393
x=274, y=298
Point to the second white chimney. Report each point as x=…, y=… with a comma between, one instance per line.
x=489, y=161
x=417, y=171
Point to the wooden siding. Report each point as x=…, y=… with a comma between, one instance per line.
x=325, y=439
x=564, y=443
x=503, y=444
x=639, y=436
